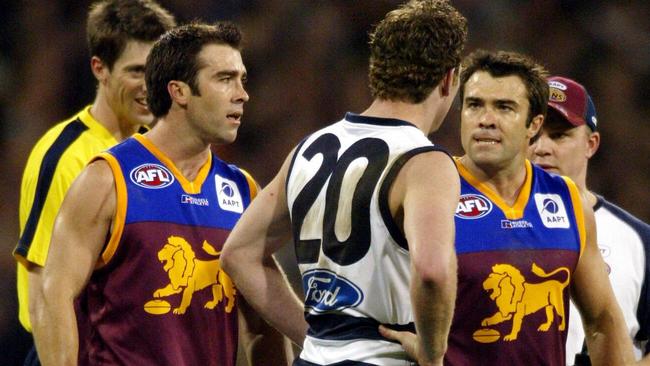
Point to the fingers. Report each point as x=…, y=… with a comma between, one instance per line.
x=403, y=337
x=408, y=340
x=391, y=334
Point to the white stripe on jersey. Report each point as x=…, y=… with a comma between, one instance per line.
x=325, y=352
x=623, y=252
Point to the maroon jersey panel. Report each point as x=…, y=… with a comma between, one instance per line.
x=162, y=300
x=519, y=313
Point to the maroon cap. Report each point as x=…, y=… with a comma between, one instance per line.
x=572, y=101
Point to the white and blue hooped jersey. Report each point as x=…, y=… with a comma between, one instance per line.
x=624, y=242
x=353, y=259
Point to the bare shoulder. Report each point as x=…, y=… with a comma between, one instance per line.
x=432, y=161
x=430, y=169
x=94, y=189
x=424, y=177
x=96, y=175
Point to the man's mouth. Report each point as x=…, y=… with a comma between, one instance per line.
x=486, y=140
x=546, y=166
x=235, y=116
x=141, y=101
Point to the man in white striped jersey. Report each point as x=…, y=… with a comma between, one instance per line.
x=370, y=202
x=569, y=138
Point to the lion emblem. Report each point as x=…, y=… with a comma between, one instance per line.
x=515, y=298
x=189, y=274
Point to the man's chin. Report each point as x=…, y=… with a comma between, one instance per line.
x=143, y=120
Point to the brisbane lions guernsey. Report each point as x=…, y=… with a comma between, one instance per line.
x=158, y=295
x=353, y=259
x=514, y=268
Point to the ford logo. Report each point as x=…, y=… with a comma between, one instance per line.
x=326, y=291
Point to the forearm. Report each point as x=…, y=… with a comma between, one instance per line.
x=261, y=343
x=55, y=331
x=267, y=291
x=269, y=348
x=433, y=303
x=608, y=341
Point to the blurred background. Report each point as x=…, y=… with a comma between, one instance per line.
x=307, y=66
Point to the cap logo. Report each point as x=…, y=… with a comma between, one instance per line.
x=557, y=95
x=556, y=85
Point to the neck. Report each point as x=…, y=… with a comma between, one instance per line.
x=104, y=114
x=422, y=115
x=590, y=197
x=188, y=152
x=580, y=179
x=507, y=181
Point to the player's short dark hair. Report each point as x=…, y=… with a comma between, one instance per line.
x=175, y=57
x=503, y=63
x=413, y=47
x=112, y=23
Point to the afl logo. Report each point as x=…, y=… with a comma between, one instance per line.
x=473, y=206
x=153, y=176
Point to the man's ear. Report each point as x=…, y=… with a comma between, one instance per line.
x=179, y=92
x=99, y=69
x=593, y=142
x=448, y=81
x=535, y=126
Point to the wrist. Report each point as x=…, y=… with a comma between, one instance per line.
x=430, y=360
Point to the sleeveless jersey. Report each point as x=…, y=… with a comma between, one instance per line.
x=353, y=259
x=159, y=296
x=624, y=243
x=514, y=267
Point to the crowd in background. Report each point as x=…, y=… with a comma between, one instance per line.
x=306, y=63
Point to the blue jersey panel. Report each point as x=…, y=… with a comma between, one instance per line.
x=220, y=201
x=548, y=220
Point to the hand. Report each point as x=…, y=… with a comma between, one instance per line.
x=409, y=342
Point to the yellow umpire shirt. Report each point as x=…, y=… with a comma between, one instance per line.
x=55, y=161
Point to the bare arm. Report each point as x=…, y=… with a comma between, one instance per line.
x=605, y=329
x=35, y=292
x=79, y=234
x=262, y=344
x=429, y=188
x=247, y=258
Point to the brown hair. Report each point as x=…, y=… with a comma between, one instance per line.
x=413, y=47
x=175, y=57
x=501, y=64
x=112, y=23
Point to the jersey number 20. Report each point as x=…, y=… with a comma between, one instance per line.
x=357, y=244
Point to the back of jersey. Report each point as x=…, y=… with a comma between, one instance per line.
x=353, y=258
